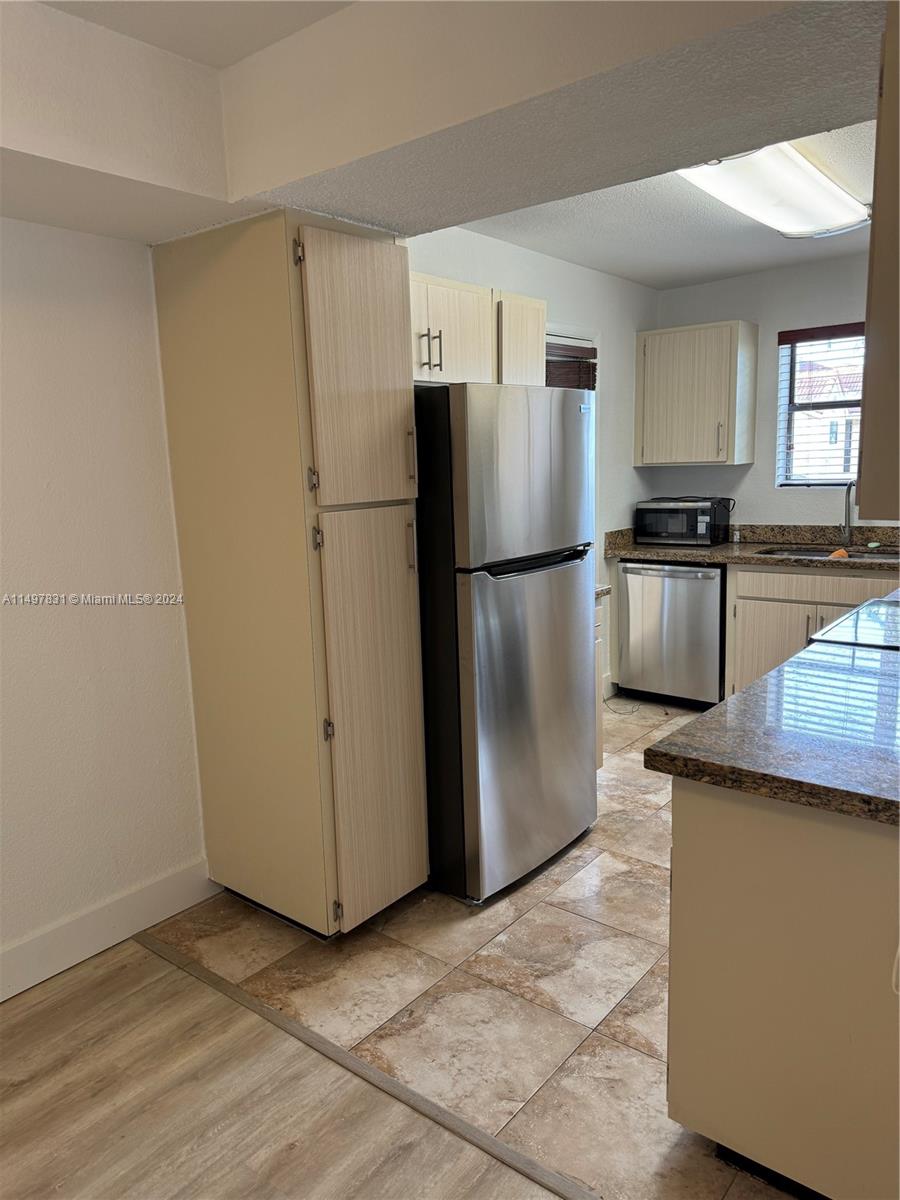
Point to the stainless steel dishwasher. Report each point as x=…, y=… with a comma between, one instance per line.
x=671, y=630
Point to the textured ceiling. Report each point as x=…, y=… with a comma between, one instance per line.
x=732, y=92
x=215, y=32
x=665, y=232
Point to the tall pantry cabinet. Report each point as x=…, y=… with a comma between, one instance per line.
x=287, y=376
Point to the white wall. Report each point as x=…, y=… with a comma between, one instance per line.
x=101, y=818
x=77, y=93
x=830, y=292
x=580, y=301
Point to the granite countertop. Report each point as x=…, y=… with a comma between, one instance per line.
x=745, y=554
x=821, y=730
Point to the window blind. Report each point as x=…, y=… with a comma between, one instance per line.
x=571, y=365
x=819, y=399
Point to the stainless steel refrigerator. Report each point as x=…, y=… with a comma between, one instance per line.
x=505, y=538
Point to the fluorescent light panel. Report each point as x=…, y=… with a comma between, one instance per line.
x=780, y=188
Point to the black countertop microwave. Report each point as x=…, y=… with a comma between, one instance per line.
x=683, y=520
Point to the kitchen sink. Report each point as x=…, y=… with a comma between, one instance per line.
x=878, y=554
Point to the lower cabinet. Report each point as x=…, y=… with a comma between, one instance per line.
x=767, y=632
x=776, y=612
x=375, y=690
x=826, y=613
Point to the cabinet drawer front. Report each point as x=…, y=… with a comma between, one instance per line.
x=812, y=588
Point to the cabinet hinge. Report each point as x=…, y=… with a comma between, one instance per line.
x=318, y=538
x=299, y=252
x=312, y=478
x=337, y=909
x=328, y=729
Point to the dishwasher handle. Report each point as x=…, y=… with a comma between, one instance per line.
x=666, y=572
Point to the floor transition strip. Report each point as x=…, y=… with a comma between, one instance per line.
x=552, y=1181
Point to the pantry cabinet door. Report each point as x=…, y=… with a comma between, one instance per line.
x=356, y=304
x=375, y=696
x=462, y=340
x=767, y=633
x=522, y=324
x=688, y=382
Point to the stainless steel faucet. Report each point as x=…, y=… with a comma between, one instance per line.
x=845, y=528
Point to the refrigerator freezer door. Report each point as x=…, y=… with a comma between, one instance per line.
x=528, y=717
x=523, y=470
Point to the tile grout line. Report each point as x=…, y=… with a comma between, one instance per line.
x=491, y=1145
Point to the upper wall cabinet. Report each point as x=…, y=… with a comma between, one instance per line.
x=695, y=394
x=522, y=339
x=879, y=487
x=356, y=294
x=452, y=331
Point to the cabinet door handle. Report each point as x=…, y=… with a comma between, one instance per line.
x=719, y=429
x=808, y=622
x=412, y=550
x=427, y=336
x=439, y=338
x=412, y=451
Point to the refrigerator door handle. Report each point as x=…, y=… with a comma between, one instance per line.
x=536, y=564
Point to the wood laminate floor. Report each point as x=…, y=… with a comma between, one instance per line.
x=533, y=1027
x=125, y=1077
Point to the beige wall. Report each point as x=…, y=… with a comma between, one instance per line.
x=305, y=104
x=101, y=819
x=80, y=94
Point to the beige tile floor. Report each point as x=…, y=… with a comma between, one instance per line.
x=540, y=1016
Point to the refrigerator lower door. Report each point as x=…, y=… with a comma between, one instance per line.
x=527, y=717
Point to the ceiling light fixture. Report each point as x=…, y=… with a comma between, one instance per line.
x=780, y=188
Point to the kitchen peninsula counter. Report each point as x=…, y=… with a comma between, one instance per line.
x=820, y=730
x=783, y=1013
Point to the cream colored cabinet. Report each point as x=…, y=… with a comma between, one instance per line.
x=767, y=632
x=878, y=493
x=695, y=394
x=522, y=339
x=375, y=687
x=452, y=331
x=775, y=613
x=302, y=619
x=826, y=613
x=356, y=302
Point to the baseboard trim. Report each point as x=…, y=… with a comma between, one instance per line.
x=52, y=950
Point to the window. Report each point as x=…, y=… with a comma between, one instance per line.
x=571, y=363
x=819, y=395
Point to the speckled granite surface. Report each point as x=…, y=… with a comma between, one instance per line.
x=821, y=730
x=745, y=554
x=819, y=535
